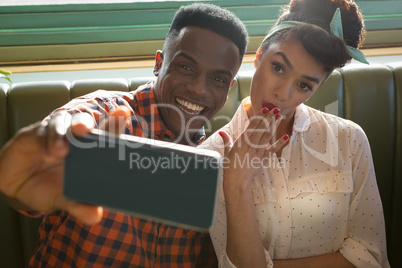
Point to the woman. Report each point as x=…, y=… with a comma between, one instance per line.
x=299, y=187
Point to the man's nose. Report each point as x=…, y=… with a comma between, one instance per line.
x=198, y=85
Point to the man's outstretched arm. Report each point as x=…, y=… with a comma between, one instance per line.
x=32, y=166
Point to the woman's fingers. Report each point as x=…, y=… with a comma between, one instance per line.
x=227, y=141
x=276, y=145
x=262, y=128
x=270, y=134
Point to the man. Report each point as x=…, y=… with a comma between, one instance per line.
x=200, y=58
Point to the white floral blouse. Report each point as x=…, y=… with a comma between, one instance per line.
x=319, y=197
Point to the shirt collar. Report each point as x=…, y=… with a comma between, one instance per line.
x=241, y=120
x=150, y=119
x=302, y=119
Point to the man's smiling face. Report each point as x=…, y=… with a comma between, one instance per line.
x=195, y=71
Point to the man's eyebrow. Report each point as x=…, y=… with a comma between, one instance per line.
x=184, y=55
x=226, y=72
x=287, y=62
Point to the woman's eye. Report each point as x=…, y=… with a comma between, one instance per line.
x=305, y=86
x=277, y=67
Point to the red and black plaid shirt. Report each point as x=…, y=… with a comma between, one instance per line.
x=121, y=240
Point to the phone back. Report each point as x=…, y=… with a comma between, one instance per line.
x=161, y=181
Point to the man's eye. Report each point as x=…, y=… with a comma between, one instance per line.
x=220, y=81
x=185, y=67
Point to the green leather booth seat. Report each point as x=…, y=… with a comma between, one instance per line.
x=368, y=95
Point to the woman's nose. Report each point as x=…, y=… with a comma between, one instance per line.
x=283, y=90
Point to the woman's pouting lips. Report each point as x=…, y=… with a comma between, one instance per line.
x=270, y=106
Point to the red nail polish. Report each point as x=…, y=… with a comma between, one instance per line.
x=220, y=133
x=265, y=110
x=286, y=137
x=277, y=117
x=276, y=111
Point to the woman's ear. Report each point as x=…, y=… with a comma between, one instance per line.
x=256, y=63
x=158, y=62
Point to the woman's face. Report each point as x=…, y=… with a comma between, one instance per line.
x=285, y=76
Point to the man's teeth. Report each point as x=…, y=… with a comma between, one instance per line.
x=190, y=106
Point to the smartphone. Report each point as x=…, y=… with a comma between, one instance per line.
x=150, y=179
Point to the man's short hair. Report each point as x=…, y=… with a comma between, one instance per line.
x=213, y=18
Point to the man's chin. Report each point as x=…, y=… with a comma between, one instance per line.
x=185, y=126
x=187, y=134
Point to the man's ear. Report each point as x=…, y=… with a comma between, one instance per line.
x=256, y=63
x=231, y=85
x=158, y=62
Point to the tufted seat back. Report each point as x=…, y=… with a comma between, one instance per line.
x=368, y=95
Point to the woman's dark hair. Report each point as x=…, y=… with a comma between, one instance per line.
x=213, y=18
x=330, y=51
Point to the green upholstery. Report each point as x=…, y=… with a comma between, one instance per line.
x=244, y=80
x=3, y=113
x=9, y=221
x=396, y=216
x=30, y=102
x=369, y=95
x=26, y=104
x=82, y=87
x=11, y=244
x=374, y=89
x=134, y=83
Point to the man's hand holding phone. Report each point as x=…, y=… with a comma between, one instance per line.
x=37, y=155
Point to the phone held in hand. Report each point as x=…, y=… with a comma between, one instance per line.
x=150, y=179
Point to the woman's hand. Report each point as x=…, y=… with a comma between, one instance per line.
x=251, y=151
x=244, y=159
